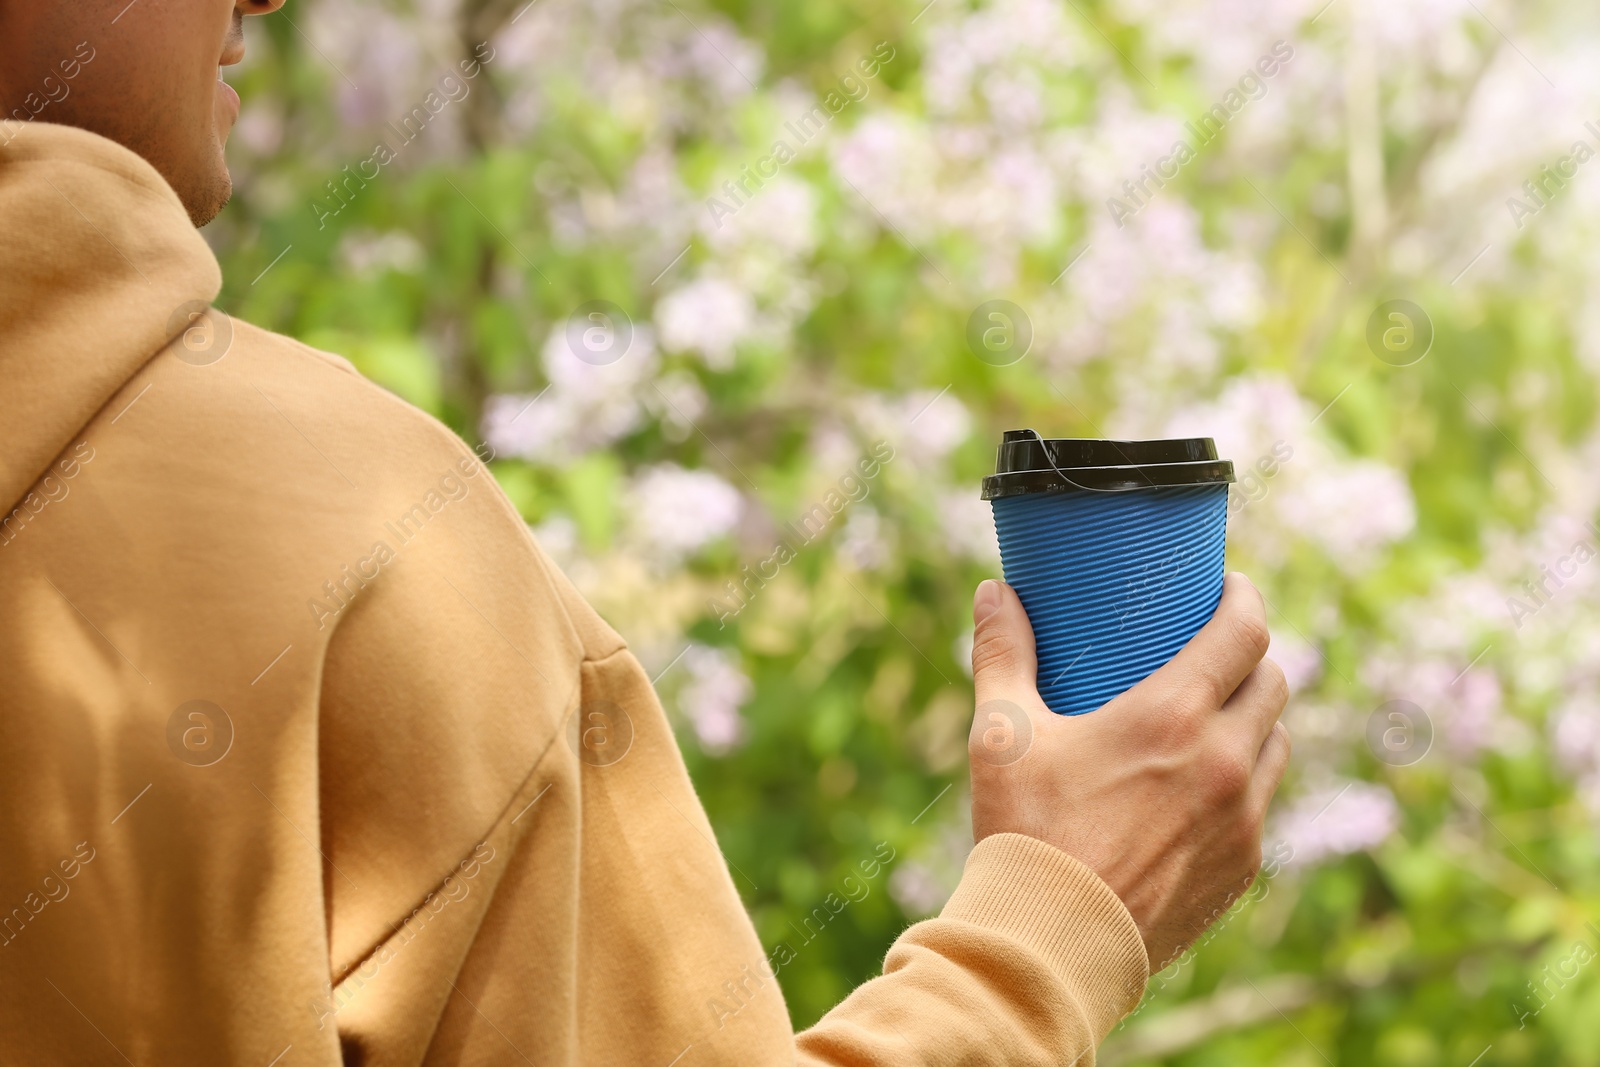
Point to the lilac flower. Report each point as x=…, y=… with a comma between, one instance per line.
x=917, y=889
x=780, y=218
x=1248, y=418
x=1301, y=663
x=1575, y=735
x=1223, y=37
x=712, y=697
x=893, y=162
x=728, y=62
x=586, y=406
x=923, y=426
x=862, y=541
x=967, y=52
x=708, y=316
x=937, y=422
x=380, y=52
x=673, y=512
x=1475, y=720
x=1351, y=510
x=968, y=525
x=366, y=252
x=678, y=400
x=260, y=128
x=922, y=883
x=1337, y=820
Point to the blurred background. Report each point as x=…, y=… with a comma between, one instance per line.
x=742, y=295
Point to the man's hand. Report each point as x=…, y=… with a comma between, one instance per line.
x=1162, y=792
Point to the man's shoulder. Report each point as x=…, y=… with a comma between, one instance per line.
x=284, y=345
x=228, y=399
x=402, y=460
x=324, y=381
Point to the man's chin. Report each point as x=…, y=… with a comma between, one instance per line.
x=207, y=203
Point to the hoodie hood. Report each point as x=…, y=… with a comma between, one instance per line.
x=96, y=258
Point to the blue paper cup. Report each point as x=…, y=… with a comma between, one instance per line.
x=1116, y=551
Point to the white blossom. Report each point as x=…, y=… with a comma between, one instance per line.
x=673, y=512
x=917, y=889
x=862, y=541
x=708, y=316
x=712, y=697
x=587, y=405
x=1351, y=510
x=967, y=523
x=1337, y=820
x=364, y=252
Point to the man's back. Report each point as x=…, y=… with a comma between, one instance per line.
x=333, y=755
x=302, y=681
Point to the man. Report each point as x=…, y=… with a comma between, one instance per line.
x=311, y=757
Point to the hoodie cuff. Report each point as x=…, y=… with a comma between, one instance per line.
x=1057, y=907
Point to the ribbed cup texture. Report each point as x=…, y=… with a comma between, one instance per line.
x=1114, y=583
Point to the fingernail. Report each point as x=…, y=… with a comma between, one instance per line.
x=986, y=601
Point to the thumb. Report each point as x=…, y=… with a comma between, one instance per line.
x=1004, y=665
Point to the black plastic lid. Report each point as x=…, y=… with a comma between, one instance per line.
x=1028, y=463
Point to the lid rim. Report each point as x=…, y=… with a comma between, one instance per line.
x=1028, y=463
x=1028, y=450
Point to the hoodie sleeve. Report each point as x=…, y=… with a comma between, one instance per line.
x=1031, y=962
x=608, y=925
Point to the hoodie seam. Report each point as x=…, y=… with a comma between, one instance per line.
x=322, y=360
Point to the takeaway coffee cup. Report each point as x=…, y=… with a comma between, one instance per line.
x=1115, y=549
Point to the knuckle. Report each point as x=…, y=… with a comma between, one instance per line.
x=1181, y=711
x=1193, y=702
x=1277, y=684
x=1250, y=635
x=1228, y=779
x=1285, y=739
x=994, y=652
x=1185, y=696
x=1275, y=763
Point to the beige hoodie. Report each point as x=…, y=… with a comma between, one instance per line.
x=309, y=752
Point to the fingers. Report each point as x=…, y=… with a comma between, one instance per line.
x=1004, y=663
x=1227, y=648
x=1270, y=765
x=1259, y=701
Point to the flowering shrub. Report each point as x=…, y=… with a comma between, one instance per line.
x=592, y=257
